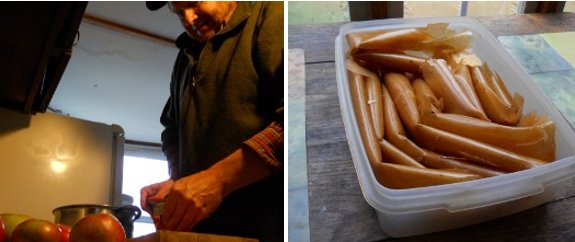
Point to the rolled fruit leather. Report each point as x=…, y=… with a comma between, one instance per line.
x=441, y=80
x=397, y=176
x=498, y=104
x=396, y=135
x=402, y=95
x=386, y=41
x=391, y=61
x=447, y=143
x=375, y=103
x=534, y=138
x=365, y=124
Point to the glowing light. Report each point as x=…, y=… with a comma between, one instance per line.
x=58, y=166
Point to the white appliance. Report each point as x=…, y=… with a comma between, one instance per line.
x=49, y=160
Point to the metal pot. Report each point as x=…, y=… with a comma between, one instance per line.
x=73, y=213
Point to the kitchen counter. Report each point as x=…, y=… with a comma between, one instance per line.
x=171, y=236
x=337, y=208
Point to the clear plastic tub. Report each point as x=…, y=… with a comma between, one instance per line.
x=407, y=212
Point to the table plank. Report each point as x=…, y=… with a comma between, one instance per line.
x=509, y=25
x=298, y=220
x=318, y=41
x=555, y=22
x=528, y=23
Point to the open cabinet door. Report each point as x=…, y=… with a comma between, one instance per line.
x=35, y=47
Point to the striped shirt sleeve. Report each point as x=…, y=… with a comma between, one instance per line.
x=268, y=144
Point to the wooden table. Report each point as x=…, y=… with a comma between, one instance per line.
x=337, y=209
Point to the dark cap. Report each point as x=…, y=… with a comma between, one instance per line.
x=155, y=5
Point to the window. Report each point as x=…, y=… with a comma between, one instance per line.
x=480, y=8
x=317, y=12
x=431, y=9
x=311, y=12
x=460, y=8
x=142, y=166
x=569, y=7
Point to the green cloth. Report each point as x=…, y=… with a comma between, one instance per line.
x=563, y=44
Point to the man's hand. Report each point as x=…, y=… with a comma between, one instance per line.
x=155, y=193
x=192, y=199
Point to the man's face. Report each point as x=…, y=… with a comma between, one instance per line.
x=202, y=19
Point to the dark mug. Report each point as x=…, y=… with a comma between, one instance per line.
x=127, y=215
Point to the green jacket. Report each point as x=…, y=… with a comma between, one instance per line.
x=222, y=93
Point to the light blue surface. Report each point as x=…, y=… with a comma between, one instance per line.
x=298, y=206
x=534, y=53
x=560, y=88
x=552, y=74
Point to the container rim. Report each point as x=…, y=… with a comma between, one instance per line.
x=104, y=206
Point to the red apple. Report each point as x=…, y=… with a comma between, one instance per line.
x=35, y=230
x=2, y=230
x=11, y=220
x=64, y=230
x=98, y=227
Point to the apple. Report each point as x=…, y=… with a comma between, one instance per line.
x=36, y=230
x=64, y=230
x=98, y=227
x=11, y=220
x=2, y=229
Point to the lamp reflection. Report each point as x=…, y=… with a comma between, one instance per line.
x=58, y=167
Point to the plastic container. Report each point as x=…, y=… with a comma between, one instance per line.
x=407, y=212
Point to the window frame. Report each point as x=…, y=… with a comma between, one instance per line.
x=144, y=150
x=360, y=10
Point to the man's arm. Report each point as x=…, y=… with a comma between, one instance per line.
x=255, y=160
x=195, y=197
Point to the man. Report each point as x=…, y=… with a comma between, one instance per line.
x=223, y=134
